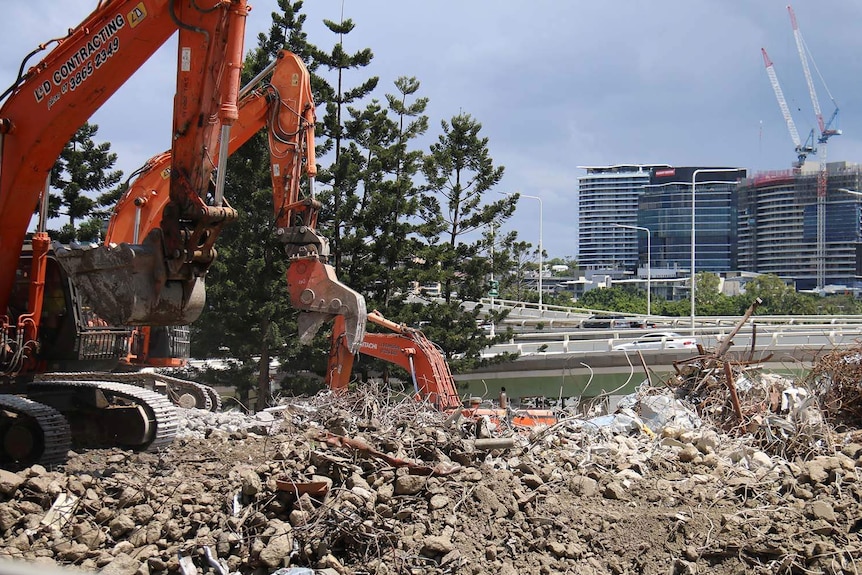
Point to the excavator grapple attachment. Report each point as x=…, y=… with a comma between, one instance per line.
x=127, y=284
x=320, y=296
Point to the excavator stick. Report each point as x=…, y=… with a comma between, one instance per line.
x=320, y=296
x=160, y=282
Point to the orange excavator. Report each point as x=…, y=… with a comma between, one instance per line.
x=429, y=372
x=48, y=311
x=280, y=99
x=59, y=302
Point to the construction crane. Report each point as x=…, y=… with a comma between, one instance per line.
x=826, y=131
x=802, y=150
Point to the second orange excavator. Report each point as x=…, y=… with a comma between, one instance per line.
x=403, y=346
x=428, y=370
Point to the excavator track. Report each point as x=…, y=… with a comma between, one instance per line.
x=31, y=432
x=181, y=392
x=108, y=414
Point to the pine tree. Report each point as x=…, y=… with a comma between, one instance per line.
x=342, y=175
x=382, y=258
x=460, y=173
x=83, y=169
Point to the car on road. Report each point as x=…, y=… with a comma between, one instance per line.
x=602, y=321
x=659, y=340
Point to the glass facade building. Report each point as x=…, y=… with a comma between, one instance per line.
x=608, y=195
x=665, y=208
x=777, y=225
x=766, y=223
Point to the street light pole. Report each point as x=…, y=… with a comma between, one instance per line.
x=648, y=266
x=493, y=239
x=541, y=261
x=693, y=184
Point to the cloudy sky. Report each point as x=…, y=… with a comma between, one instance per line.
x=556, y=84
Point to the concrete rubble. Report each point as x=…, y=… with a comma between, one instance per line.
x=358, y=484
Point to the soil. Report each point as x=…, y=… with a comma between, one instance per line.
x=409, y=491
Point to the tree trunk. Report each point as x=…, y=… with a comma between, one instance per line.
x=264, y=388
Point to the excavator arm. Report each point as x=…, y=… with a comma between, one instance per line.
x=284, y=105
x=161, y=280
x=404, y=346
x=46, y=104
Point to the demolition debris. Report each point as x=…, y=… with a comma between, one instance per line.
x=723, y=468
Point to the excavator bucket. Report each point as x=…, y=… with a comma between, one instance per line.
x=127, y=284
x=320, y=296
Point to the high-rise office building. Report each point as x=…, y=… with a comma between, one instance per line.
x=657, y=197
x=608, y=195
x=665, y=208
x=766, y=223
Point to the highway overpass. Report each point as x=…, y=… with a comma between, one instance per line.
x=557, y=358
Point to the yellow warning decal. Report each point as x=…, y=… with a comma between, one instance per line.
x=137, y=14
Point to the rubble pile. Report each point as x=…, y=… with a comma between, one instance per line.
x=779, y=414
x=837, y=379
x=788, y=416
x=361, y=484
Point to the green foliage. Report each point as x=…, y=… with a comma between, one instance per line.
x=382, y=241
x=777, y=298
x=560, y=299
x=774, y=293
x=83, y=169
x=624, y=299
x=285, y=32
x=460, y=173
x=343, y=175
x=520, y=257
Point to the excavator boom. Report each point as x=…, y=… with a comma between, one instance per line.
x=46, y=105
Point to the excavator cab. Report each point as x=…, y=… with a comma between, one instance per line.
x=72, y=337
x=159, y=346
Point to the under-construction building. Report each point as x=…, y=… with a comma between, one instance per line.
x=777, y=225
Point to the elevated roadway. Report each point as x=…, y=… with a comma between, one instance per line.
x=557, y=358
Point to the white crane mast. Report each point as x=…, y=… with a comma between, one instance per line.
x=802, y=151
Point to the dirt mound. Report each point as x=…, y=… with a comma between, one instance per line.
x=353, y=486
